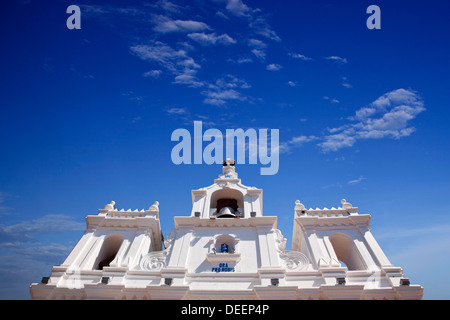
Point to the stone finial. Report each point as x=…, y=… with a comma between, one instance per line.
x=228, y=170
x=299, y=207
x=345, y=204
x=154, y=207
x=110, y=206
x=228, y=162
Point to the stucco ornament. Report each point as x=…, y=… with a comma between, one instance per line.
x=153, y=261
x=293, y=260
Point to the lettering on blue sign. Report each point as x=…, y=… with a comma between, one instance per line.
x=223, y=267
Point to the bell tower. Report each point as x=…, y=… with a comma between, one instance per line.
x=337, y=236
x=227, y=197
x=114, y=242
x=340, y=245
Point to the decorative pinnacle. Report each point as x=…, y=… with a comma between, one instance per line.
x=154, y=207
x=299, y=205
x=228, y=162
x=228, y=170
x=299, y=208
x=110, y=206
x=345, y=204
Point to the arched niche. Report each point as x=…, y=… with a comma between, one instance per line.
x=217, y=255
x=346, y=251
x=225, y=241
x=108, y=251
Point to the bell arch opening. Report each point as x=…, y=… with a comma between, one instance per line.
x=108, y=251
x=346, y=251
x=227, y=202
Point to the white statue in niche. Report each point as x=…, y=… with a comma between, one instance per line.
x=224, y=248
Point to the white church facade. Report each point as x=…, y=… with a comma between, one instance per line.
x=227, y=249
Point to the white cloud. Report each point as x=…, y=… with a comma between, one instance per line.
x=188, y=80
x=256, y=43
x=274, y=67
x=356, y=181
x=332, y=100
x=244, y=60
x=345, y=83
x=224, y=90
x=291, y=83
x=177, y=62
x=335, y=142
x=337, y=59
x=261, y=27
x=184, y=69
x=165, y=24
x=258, y=48
x=23, y=231
x=299, y=56
x=230, y=81
x=220, y=97
x=388, y=116
x=237, y=8
x=161, y=53
x=181, y=57
x=300, y=140
x=112, y=14
x=176, y=111
x=214, y=101
x=167, y=6
x=152, y=74
x=211, y=39
x=295, y=142
x=260, y=54
x=222, y=15
x=256, y=21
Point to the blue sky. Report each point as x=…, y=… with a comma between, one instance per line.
x=86, y=117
